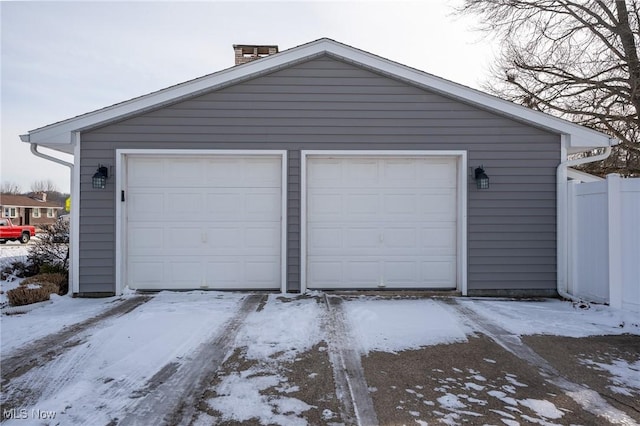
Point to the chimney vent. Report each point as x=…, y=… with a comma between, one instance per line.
x=250, y=52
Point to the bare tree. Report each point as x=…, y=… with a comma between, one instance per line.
x=577, y=59
x=10, y=188
x=44, y=186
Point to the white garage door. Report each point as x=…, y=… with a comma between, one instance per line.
x=203, y=222
x=381, y=222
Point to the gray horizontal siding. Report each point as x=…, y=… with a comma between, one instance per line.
x=328, y=104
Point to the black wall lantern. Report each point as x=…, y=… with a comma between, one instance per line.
x=482, y=180
x=99, y=179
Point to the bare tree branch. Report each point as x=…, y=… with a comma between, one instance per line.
x=577, y=59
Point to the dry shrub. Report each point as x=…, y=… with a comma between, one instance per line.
x=57, y=279
x=35, y=289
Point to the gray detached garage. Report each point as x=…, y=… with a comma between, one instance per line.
x=320, y=167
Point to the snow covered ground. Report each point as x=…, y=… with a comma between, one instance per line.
x=103, y=375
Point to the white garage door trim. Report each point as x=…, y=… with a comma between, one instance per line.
x=120, y=176
x=461, y=157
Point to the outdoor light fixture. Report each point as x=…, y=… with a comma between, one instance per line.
x=99, y=179
x=482, y=180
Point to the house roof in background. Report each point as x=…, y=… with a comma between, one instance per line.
x=25, y=201
x=60, y=136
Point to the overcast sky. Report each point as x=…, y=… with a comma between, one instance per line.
x=62, y=59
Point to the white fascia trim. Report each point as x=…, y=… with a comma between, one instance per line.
x=74, y=239
x=59, y=133
x=462, y=201
x=120, y=185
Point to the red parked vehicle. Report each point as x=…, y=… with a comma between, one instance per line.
x=11, y=232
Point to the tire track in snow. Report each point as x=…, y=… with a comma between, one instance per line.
x=588, y=399
x=47, y=351
x=174, y=400
x=351, y=385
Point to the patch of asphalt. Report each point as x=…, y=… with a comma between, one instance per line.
x=348, y=374
x=174, y=401
x=588, y=399
x=50, y=347
x=582, y=359
x=305, y=383
x=476, y=382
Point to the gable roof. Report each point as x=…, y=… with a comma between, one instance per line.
x=60, y=136
x=24, y=201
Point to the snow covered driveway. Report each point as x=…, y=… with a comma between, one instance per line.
x=207, y=358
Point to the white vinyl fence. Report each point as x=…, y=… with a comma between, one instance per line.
x=604, y=243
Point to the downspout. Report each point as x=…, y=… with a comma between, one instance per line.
x=563, y=215
x=34, y=151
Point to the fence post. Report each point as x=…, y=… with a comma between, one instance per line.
x=614, y=216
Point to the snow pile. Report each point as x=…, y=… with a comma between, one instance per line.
x=396, y=325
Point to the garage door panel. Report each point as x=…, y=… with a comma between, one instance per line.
x=181, y=172
x=262, y=237
x=380, y=219
x=184, y=202
x=438, y=271
x=223, y=204
x=367, y=204
x=224, y=238
x=360, y=173
x=323, y=204
x=401, y=273
x=401, y=173
x=400, y=204
x=147, y=238
x=363, y=271
x=438, y=205
x=147, y=205
x=439, y=240
x=224, y=273
x=325, y=237
x=400, y=237
x=258, y=272
x=146, y=173
x=147, y=272
x=264, y=204
x=325, y=173
x=183, y=273
x=329, y=272
x=205, y=223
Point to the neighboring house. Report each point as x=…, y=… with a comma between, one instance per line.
x=319, y=167
x=24, y=210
